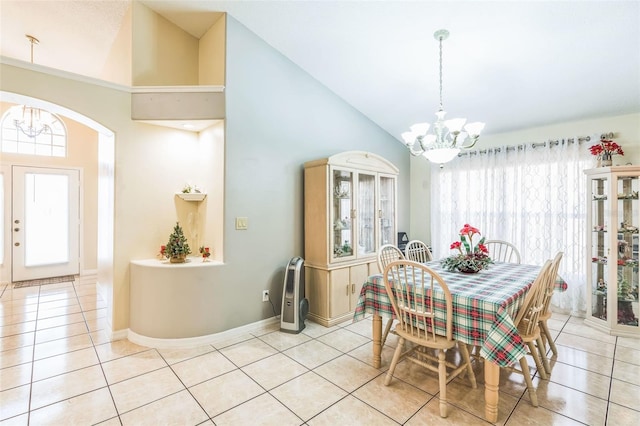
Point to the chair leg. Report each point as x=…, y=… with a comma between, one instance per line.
x=394, y=361
x=442, y=378
x=543, y=356
x=527, y=378
x=542, y=371
x=475, y=352
x=467, y=360
x=547, y=333
x=387, y=329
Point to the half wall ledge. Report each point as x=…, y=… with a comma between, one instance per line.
x=172, y=300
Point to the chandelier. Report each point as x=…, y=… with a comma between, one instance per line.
x=30, y=120
x=448, y=137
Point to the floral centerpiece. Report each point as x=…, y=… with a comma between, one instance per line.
x=604, y=150
x=473, y=258
x=188, y=189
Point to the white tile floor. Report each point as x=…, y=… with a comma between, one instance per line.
x=57, y=367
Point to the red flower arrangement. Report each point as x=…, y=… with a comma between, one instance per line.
x=606, y=147
x=473, y=258
x=204, y=251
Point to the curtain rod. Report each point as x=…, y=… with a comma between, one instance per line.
x=608, y=135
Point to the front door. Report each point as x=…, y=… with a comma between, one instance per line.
x=45, y=223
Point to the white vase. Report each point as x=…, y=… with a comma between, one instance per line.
x=606, y=160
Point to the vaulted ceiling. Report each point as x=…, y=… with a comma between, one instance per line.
x=511, y=64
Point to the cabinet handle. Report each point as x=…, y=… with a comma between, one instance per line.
x=353, y=288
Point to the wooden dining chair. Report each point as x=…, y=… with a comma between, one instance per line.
x=417, y=251
x=499, y=251
x=527, y=324
x=546, y=312
x=407, y=283
x=386, y=254
x=502, y=251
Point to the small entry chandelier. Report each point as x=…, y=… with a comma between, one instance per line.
x=448, y=138
x=30, y=120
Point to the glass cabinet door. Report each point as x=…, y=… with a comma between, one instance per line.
x=366, y=214
x=387, y=210
x=627, y=251
x=342, y=207
x=600, y=251
x=615, y=217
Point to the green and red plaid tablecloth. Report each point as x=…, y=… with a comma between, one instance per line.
x=484, y=305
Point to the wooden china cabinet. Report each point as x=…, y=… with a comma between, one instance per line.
x=349, y=212
x=613, y=218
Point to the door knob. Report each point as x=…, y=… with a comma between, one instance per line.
x=16, y=229
x=16, y=244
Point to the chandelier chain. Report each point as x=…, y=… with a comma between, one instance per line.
x=33, y=41
x=441, y=106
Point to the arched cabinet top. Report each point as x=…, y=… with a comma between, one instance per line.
x=362, y=160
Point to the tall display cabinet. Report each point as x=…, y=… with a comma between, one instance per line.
x=613, y=218
x=349, y=212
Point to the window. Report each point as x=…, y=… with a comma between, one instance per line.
x=533, y=197
x=50, y=143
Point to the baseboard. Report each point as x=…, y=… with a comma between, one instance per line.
x=153, y=342
x=117, y=335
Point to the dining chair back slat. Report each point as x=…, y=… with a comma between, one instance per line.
x=550, y=289
x=417, y=251
x=534, y=301
x=408, y=284
x=388, y=253
x=502, y=251
x=546, y=311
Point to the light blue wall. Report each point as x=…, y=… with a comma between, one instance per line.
x=279, y=117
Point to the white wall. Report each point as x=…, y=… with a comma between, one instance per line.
x=625, y=127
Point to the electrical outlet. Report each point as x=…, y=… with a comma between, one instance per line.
x=265, y=295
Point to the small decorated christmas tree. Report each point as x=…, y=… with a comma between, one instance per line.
x=177, y=248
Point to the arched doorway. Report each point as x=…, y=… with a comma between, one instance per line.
x=104, y=196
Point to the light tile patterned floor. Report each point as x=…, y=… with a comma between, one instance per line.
x=57, y=367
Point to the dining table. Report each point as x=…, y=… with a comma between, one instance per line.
x=484, y=306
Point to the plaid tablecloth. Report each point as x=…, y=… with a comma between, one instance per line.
x=484, y=305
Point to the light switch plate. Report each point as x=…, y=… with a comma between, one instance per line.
x=242, y=223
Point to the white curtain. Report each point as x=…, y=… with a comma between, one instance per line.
x=531, y=195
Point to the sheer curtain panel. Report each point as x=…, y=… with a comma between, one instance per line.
x=531, y=195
